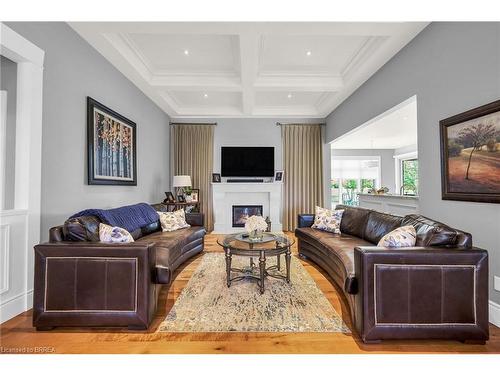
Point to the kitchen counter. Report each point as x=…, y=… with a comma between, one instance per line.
x=389, y=196
x=395, y=204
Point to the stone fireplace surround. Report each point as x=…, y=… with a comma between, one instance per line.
x=226, y=195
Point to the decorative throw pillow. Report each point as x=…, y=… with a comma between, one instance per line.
x=110, y=234
x=171, y=221
x=399, y=237
x=327, y=220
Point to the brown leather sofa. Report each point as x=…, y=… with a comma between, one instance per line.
x=80, y=281
x=435, y=290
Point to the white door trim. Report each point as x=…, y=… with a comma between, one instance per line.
x=29, y=59
x=3, y=143
x=494, y=313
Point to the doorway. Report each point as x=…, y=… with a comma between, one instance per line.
x=378, y=157
x=20, y=169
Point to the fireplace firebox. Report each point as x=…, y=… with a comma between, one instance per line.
x=242, y=213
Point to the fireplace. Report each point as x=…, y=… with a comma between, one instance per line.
x=242, y=212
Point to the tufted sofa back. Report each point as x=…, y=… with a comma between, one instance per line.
x=371, y=226
x=86, y=228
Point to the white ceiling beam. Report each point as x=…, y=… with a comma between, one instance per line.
x=236, y=28
x=114, y=40
x=132, y=71
x=299, y=83
x=249, y=59
x=208, y=111
x=287, y=111
x=196, y=82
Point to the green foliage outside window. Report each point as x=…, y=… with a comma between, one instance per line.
x=350, y=184
x=410, y=176
x=367, y=184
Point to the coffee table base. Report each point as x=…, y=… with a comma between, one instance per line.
x=258, y=273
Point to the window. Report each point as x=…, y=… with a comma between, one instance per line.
x=407, y=173
x=409, y=176
x=352, y=175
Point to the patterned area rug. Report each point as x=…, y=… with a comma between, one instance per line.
x=207, y=305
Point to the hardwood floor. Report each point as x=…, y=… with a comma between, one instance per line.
x=18, y=332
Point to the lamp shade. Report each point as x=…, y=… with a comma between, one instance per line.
x=181, y=181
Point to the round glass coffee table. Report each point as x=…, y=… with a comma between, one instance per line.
x=271, y=245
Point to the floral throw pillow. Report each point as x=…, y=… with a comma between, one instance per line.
x=399, y=237
x=110, y=234
x=171, y=221
x=327, y=220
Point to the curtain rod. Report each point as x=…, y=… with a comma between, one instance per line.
x=298, y=123
x=192, y=123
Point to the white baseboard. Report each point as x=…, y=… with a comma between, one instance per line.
x=494, y=313
x=15, y=306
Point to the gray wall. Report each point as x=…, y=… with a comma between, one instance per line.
x=387, y=165
x=451, y=67
x=248, y=132
x=8, y=82
x=74, y=70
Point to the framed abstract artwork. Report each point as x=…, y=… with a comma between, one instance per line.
x=470, y=155
x=111, y=146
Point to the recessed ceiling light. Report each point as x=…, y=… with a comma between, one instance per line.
x=308, y=53
x=186, y=52
x=289, y=96
x=205, y=96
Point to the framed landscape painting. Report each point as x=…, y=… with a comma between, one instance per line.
x=470, y=155
x=111, y=146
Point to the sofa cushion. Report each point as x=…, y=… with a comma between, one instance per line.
x=354, y=220
x=150, y=228
x=379, y=224
x=172, y=221
x=399, y=237
x=431, y=232
x=169, y=246
x=82, y=228
x=110, y=234
x=339, y=246
x=327, y=220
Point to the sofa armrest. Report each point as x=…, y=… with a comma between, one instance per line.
x=85, y=283
x=56, y=234
x=195, y=219
x=419, y=292
x=305, y=220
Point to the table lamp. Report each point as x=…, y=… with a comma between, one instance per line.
x=180, y=182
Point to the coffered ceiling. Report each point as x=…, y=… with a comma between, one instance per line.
x=247, y=69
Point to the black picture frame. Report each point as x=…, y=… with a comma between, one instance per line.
x=216, y=177
x=169, y=197
x=181, y=199
x=110, y=162
x=469, y=187
x=195, y=193
x=278, y=176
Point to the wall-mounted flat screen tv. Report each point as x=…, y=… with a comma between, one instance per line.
x=247, y=161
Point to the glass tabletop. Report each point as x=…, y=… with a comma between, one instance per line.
x=269, y=241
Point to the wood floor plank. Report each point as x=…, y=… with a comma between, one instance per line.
x=18, y=332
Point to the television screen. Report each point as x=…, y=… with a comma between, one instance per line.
x=247, y=161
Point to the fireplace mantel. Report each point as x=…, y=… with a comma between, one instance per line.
x=225, y=195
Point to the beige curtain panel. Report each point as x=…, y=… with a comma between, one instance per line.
x=303, y=167
x=192, y=153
